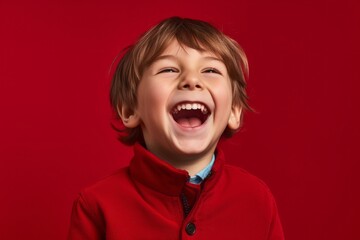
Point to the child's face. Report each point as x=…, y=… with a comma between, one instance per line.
x=185, y=103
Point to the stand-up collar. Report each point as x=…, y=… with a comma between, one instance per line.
x=159, y=175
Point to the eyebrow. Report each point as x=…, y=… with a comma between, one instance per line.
x=175, y=58
x=214, y=58
x=165, y=57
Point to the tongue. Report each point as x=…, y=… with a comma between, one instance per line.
x=189, y=122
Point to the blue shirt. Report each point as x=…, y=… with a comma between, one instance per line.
x=200, y=176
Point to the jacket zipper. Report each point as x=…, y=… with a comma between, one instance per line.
x=185, y=202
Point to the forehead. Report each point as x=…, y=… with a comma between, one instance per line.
x=174, y=49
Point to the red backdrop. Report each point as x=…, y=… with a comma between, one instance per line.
x=303, y=140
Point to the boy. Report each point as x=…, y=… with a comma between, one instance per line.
x=178, y=90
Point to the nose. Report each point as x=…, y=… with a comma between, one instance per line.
x=190, y=82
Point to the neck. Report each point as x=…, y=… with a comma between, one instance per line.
x=192, y=163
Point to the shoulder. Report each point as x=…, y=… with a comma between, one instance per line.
x=246, y=184
x=235, y=173
x=249, y=196
x=116, y=184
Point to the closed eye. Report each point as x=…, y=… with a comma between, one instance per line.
x=212, y=70
x=168, y=70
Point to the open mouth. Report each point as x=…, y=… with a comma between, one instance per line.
x=190, y=114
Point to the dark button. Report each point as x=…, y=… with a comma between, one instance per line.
x=190, y=228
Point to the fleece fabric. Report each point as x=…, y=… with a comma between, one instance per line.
x=150, y=199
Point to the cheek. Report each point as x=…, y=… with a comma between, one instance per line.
x=151, y=98
x=223, y=93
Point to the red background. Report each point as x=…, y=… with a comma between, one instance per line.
x=55, y=134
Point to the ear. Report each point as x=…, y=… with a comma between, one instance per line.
x=129, y=117
x=235, y=116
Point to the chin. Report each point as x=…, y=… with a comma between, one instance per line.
x=193, y=147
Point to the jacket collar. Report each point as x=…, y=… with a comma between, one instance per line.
x=160, y=176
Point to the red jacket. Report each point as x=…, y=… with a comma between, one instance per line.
x=149, y=200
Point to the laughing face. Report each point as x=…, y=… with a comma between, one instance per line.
x=184, y=105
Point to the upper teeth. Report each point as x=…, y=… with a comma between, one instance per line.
x=190, y=106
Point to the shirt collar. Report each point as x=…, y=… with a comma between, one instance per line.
x=200, y=176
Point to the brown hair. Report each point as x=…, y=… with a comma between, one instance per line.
x=195, y=34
